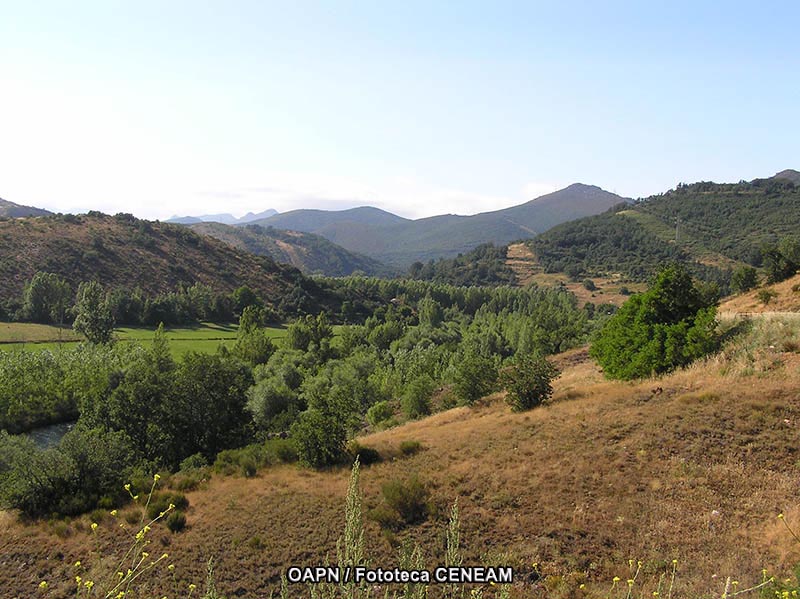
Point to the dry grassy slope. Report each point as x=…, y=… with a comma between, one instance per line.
x=151, y=255
x=609, y=471
x=787, y=300
x=522, y=261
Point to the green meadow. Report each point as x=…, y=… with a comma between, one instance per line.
x=204, y=337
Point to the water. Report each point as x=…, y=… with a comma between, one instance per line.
x=49, y=436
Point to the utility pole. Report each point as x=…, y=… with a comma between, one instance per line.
x=677, y=221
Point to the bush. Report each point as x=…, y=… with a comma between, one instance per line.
x=160, y=502
x=385, y=517
x=319, y=438
x=280, y=450
x=528, y=382
x=409, y=498
x=380, y=412
x=176, y=521
x=589, y=285
x=475, y=377
x=668, y=326
x=410, y=447
x=194, y=462
x=765, y=296
x=365, y=455
x=68, y=479
x=416, y=400
x=744, y=278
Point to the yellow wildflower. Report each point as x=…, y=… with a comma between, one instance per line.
x=43, y=584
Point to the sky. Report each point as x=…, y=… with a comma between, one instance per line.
x=420, y=108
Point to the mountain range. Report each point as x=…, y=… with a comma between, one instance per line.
x=312, y=254
x=12, y=210
x=225, y=218
x=400, y=242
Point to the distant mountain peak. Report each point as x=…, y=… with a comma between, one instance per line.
x=12, y=210
x=225, y=218
x=790, y=174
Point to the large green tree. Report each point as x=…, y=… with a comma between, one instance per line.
x=93, y=318
x=668, y=326
x=46, y=298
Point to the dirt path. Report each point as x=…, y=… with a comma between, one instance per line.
x=521, y=260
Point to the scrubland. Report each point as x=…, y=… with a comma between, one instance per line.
x=695, y=466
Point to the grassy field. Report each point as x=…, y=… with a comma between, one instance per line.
x=693, y=466
x=205, y=337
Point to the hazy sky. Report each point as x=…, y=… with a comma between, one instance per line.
x=173, y=107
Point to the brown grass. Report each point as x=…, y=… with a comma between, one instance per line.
x=606, y=472
x=786, y=300
x=523, y=262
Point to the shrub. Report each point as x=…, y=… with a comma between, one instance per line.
x=416, y=400
x=280, y=450
x=410, y=447
x=409, y=498
x=475, y=377
x=528, y=382
x=176, y=521
x=193, y=462
x=589, y=285
x=245, y=460
x=319, y=437
x=385, y=517
x=364, y=455
x=379, y=413
x=189, y=481
x=765, y=296
x=744, y=278
x=668, y=326
x=248, y=467
x=160, y=502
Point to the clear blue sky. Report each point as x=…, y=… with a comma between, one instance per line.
x=187, y=107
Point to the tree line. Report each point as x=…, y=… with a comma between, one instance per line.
x=422, y=348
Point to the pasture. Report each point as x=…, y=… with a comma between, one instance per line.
x=204, y=337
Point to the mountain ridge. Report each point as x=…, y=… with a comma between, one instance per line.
x=12, y=210
x=225, y=218
x=123, y=251
x=399, y=242
x=311, y=253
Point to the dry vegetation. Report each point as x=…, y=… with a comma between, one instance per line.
x=123, y=252
x=787, y=299
x=694, y=466
x=522, y=261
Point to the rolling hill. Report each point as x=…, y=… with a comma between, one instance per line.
x=711, y=226
x=693, y=467
x=225, y=218
x=12, y=210
x=122, y=251
x=400, y=242
x=312, y=254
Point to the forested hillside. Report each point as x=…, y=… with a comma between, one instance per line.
x=400, y=242
x=485, y=265
x=711, y=227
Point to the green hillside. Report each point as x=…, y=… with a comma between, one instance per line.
x=400, y=242
x=312, y=254
x=710, y=226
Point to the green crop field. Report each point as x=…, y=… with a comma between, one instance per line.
x=205, y=337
